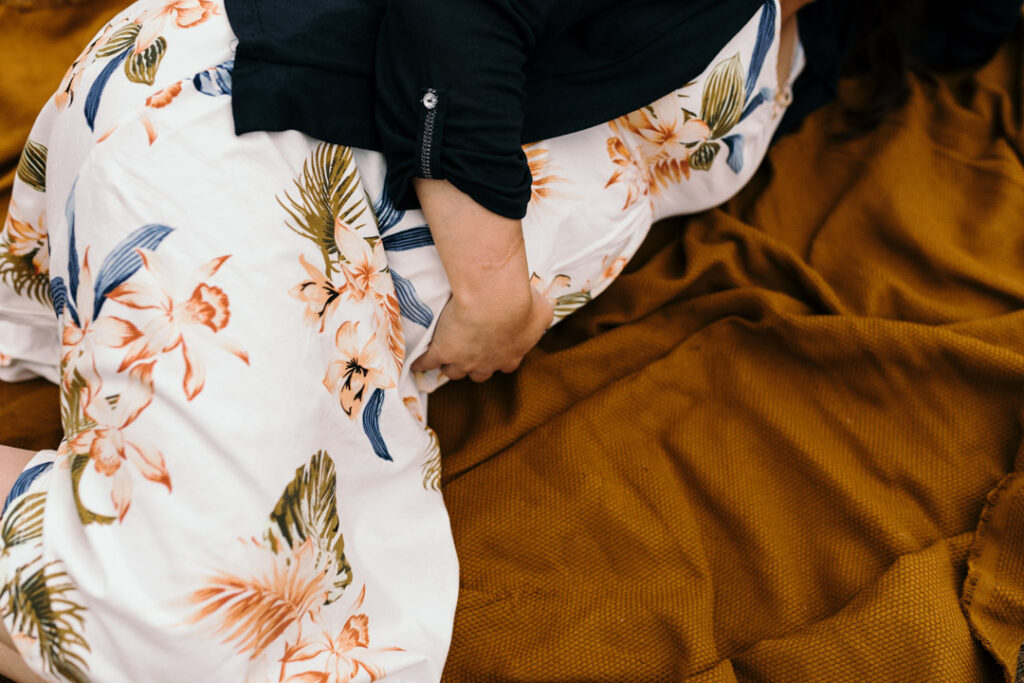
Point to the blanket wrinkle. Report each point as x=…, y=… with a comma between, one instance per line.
x=959, y=542
x=786, y=445
x=933, y=569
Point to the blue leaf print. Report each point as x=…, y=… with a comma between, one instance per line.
x=413, y=238
x=25, y=480
x=387, y=215
x=765, y=37
x=72, y=287
x=215, y=80
x=760, y=98
x=371, y=424
x=409, y=302
x=124, y=261
x=92, y=100
x=59, y=295
x=735, y=145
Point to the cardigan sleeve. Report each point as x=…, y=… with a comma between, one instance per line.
x=450, y=98
x=957, y=34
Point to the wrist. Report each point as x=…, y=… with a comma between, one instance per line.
x=482, y=253
x=505, y=301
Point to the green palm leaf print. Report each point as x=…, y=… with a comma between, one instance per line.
x=19, y=272
x=327, y=191
x=39, y=606
x=431, y=469
x=722, y=103
x=23, y=522
x=32, y=165
x=308, y=509
x=85, y=515
x=568, y=303
x=140, y=67
x=122, y=39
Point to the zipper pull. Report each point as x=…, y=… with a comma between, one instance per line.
x=430, y=102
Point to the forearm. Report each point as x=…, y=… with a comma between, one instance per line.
x=483, y=253
x=494, y=316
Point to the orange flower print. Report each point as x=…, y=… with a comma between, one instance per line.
x=365, y=267
x=5, y=360
x=612, y=267
x=631, y=171
x=539, y=161
x=78, y=340
x=107, y=134
x=662, y=136
x=161, y=98
x=66, y=91
x=186, y=13
x=351, y=374
x=191, y=12
x=548, y=288
x=664, y=130
x=26, y=240
x=412, y=404
x=389, y=318
x=108, y=445
x=256, y=611
x=190, y=321
x=150, y=129
x=342, y=655
x=320, y=295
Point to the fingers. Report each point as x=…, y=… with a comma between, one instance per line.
x=434, y=359
x=457, y=372
x=430, y=360
x=510, y=367
x=464, y=347
x=454, y=371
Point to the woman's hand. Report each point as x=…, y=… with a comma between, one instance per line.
x=477, y=339
x=494, y=315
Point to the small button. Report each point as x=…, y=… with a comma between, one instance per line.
x=430, y=99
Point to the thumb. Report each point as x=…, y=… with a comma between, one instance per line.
x=430, y=360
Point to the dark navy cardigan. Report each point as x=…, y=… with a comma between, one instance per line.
x=452, y=88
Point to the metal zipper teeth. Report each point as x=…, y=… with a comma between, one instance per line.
x=428, y=140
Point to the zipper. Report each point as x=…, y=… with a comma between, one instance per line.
x=429, y=101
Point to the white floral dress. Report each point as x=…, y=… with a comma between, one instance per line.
x=247, y=489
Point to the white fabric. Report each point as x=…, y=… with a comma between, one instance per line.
x=234, y=360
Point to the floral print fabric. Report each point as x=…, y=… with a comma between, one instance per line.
x=247, y=488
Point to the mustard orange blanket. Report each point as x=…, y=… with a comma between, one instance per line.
x=785, y=446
